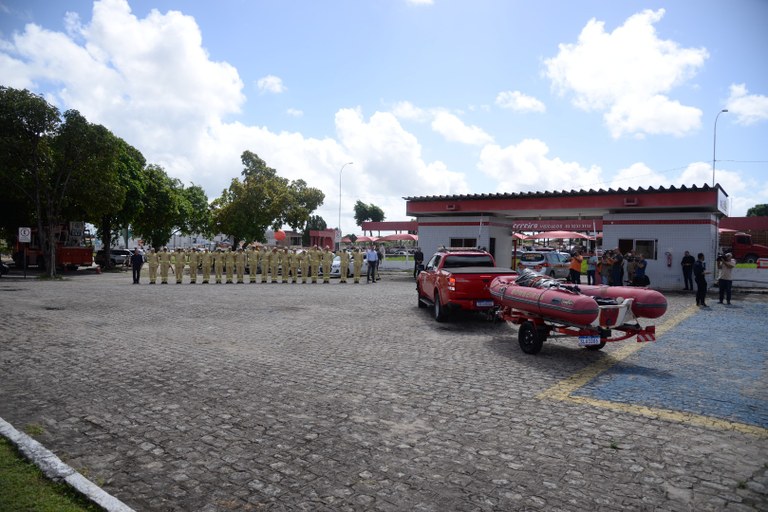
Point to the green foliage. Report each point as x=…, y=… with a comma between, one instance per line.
x=196, y=213
x=367, y=212
x=162, y=207
x=262, y=200
x=759, y=210
x=314, y=223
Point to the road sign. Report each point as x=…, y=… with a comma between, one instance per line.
x=25, y=235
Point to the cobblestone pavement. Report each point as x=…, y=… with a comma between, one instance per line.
x=349, y=397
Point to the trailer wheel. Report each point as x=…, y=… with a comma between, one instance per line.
x=440, y=313
x=595, y=347
x=530, y=338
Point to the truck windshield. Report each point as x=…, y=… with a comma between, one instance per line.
x=467, y=260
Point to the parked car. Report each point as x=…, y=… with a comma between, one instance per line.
x=554, y=264
x=116, y=256
x=350, y=269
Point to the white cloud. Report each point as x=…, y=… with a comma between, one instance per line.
x=454, y=129
x=519, y=102
x=270, y=83
x=628, y=73
x=749, y=108
x=295, y=112
x=526, y=167
x=410, y=112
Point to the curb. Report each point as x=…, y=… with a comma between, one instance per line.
x=58, y=471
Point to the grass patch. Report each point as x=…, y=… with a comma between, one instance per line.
x=24, y=487
x=34, y=430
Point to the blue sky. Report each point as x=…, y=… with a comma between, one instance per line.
x=424, y=97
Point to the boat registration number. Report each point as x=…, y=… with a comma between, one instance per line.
x=484, y=303
x=587, y=341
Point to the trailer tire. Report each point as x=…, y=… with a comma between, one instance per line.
x=440, y=313
x=530, y=338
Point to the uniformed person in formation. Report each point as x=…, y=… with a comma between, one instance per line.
x=293, y=262
x=240, y=265
x=303, y=261
x=285, y=265
x=153, y=260
x=327, y=263
x=253, y=263
x=193, y=258
x=218, y=264
x=264, y=262
x=357, y=264
x=205, y=260
x=178, y=264
x=229, y=265
x=165, y=263
x=274, y=264
x=343, y=264
x=314, y=262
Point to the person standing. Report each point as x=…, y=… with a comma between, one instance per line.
x=137, y=261
x=574, y=271
x=640, y=279
x=372, y=259
x=264, y=259
x=631, y=263
x=240, y=265
x=381, y=252
x=617, y=269
x=193, y=260
x=327, y=264
x=178, y=264
x=165, y=263
x=699, y=275
x=274, y=265
x=687, y=265
x=253, y=264
x=343, y=265
x=153, y=261
x=357, y=264
x=218, y=264
x=229, y=265
x=303, y=258
x=418, y=261
x=205, y=260
x=725, y=283
x=605, y=268
x=314, y=262
x=591, y=268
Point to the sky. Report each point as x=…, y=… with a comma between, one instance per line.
x=376, y=100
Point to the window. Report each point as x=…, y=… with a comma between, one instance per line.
x=463, y=242
x=647, y=248
x=434, y=262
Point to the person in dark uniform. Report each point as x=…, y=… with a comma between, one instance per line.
x=137, y=261
x=687, y=264
x=699, y=273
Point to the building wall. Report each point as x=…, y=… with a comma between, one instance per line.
x=675, y=233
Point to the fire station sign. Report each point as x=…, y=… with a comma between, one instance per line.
x=25, y=235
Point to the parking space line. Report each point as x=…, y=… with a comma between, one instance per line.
x=563, y=390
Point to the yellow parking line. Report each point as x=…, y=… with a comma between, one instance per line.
x=562, y=390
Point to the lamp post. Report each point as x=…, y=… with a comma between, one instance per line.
x=714, y=145
x=340, y=231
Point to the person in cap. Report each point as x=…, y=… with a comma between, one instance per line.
x=240, y=265
x=179, y=262
x=303, y=261
x=205, y=261
x=165, y=263
x=218, y=264
x=327, y=264
x=193, y=259
x=153, y=262
x=293, y=263
x=253, y=263
x=343, y=265
x=264, y=261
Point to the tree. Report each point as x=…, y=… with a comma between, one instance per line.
x=195, y=210
x=759, y=210
x=365, y=212
x=162, y=207
x=314, y=223
x=261, y=200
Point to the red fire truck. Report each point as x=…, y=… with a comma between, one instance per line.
x=73, y=248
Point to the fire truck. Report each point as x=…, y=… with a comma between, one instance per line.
x=73, y=248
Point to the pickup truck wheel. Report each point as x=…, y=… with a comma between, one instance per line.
x=529, y=338
x=440, y=313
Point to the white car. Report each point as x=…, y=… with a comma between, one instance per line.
x=350, y=268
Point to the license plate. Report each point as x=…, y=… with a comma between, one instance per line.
x=484, y=303
x=586, y=341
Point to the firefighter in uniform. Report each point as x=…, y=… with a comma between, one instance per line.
x=327, y=263
x=285, y=265
x=205, y=260
x=343, y=265
x=229, y=265
x=357, y=264
x=315, y=257
x=178, y=265
x=240, y=265
x=274, y=264
x=264, y=260
x=253, y=263
x=303, y=261
x=153, y=261
x=165, y=263
x=193, y=259
x=218, y=263
x=293, y=262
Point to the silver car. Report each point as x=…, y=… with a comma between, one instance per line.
x=552, y=263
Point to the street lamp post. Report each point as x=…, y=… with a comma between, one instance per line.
x=340, y=231
x=714, y=145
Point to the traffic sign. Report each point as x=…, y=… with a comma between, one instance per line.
x=25, y=235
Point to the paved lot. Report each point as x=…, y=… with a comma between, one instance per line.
x=348, y=397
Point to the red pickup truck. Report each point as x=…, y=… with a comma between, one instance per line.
x=458, y=279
